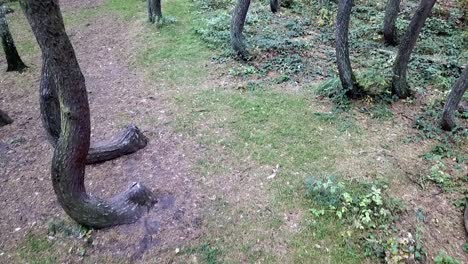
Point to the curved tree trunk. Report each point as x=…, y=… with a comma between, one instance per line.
x=126, y=142
x=348, y=81
x=453, y=99
x=13, y=59
x=389, y=29
x=237, y=27
x=68, y=163
x=465, y=216
x=274, y=5
x=154, y=11
x=400, y=67
x=4, y=119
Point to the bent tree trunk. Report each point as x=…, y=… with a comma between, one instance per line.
x=13, y=59
x=274, y=5
x=348, y=81
x=237, y=27
x=453, y=99
x=126, y=142
x=389, y=28
x=68, y=162
x=400, y=67
x=4, y=119
x=154, y=11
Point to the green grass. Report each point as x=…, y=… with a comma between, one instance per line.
x=37, y=250
x=171, y=54
x=267, y=128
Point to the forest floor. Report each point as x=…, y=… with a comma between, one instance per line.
x=229, y=155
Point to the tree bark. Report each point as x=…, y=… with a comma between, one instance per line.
x=453, y=100
x=68, y=162
x=348, y=81
x=239, y=16
x=465, y=216
x=126, y=142
x=400, y=67
x=389, y=29
x=154, y=11
x=274, y=5
x=4, y=119
x=13, y=59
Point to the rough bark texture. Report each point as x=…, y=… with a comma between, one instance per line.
x=453, y=100
x=389, y=29
x=154, y=11
x=126, y=142
x=68, y=163
x=274, y=5
x=237, y=27
x=400, y=67
x=4, y=119
x=13, y=59
x=348, y=81
x=465, y=216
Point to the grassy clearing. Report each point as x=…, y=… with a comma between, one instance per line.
x=170, y=54
x=260, y=128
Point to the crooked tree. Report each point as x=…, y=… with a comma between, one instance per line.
x=154, y=11
x=4, y=119
x=389, y=29
x=68, y=162
x=400, y=67
x=453, y=100
x=274, y=5
x=13, y=59
x=237, y=27
x=348, y=80
x=125, y=142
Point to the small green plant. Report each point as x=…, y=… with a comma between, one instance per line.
x=443, y=258
x=439, y=176
x=58, y=226
x=363, y=207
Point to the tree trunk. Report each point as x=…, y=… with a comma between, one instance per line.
x=274, y=5
x=453, y=99
x=13, y=59
x=154, y=11
x=389, y=29
x=237, y=27
x=400, y=67
x=4, y=119
x=126, y=142
x=68, y=162
x=348, y=81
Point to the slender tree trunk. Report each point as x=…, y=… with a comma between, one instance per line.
x=239, y=16
x=154, y=11
x=389, y=29
x=453, y=100
x=400, y=67
x=68, y=163
x=4, y=119
x=274, y=5
x=348, y=81
x=13, y=59
x=126, y=142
